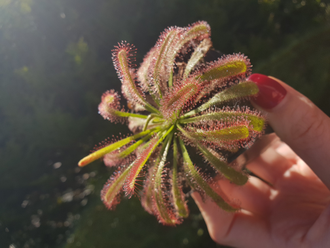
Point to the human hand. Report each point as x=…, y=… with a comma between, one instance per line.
x=293, y=209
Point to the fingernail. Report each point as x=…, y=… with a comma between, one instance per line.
x=271, y=93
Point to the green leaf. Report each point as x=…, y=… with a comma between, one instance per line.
x=177, y=193
x=225, y=134
x=100, y=153
x=224, y=70
x=190, y=169
x=133, y=147
x=229, y=172
x=126, y=114
x=241, y=90
x=165, y=214
x=221, y=166
x=147, y=199
x=257, y=122
x=143, y=158
x=113, y=187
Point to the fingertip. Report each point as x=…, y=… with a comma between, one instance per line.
x=297, y=121
x=271, y=92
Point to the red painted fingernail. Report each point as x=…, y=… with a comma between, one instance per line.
x=271, y=93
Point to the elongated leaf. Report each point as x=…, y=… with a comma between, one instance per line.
x=142, y=159
x=164, y=211
x=179, y=95
x=229, y=172
x=197, y=55
x=165, y=41
x=191, y=170
x=100, y=153
x=233, y=133
x=257, y=122
x=143, y=71
x=138, y=164
x=133, y=147
x=199, y=30
x=147, y=199
x=111, y=190
x=241, y=90
x=228, y=66
x=177, y=193
x=122, y=56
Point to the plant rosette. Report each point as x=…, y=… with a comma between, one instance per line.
x=178, y=103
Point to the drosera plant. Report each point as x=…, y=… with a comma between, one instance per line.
x=178, y=103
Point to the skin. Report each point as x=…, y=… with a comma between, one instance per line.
x=293, y=208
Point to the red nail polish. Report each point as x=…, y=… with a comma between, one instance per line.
x=271, y=93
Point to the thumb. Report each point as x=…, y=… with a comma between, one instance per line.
x=297, y=121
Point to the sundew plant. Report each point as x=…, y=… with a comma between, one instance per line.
x=179, y=106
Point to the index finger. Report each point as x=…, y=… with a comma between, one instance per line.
x=297, y=121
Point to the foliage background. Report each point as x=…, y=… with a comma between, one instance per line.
x=55, y=63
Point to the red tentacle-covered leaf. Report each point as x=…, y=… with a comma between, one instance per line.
x=112, y=159
x=123, y=56
x=256, y=120
x=147, y=198
x=191, y=36
x=126, y=180
x=110, y=194
x=159, y=62
x=163, y=207
x=148, y=201
x=110, y=103
x=115, y=159
x=226, y=71
x=225, y=131
x=186, y=37
x=198, y=30
x=110, y=146
x=227, y=68
x=200, y=183
x=163, y=202
x=177, y=196
x=221, y=166
x=228, y=129
x=138, y=164
x=158, y=66
x=197, y=56
x=182, y=95
x=143, y=71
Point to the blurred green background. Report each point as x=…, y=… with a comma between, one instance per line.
x=55, y=63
